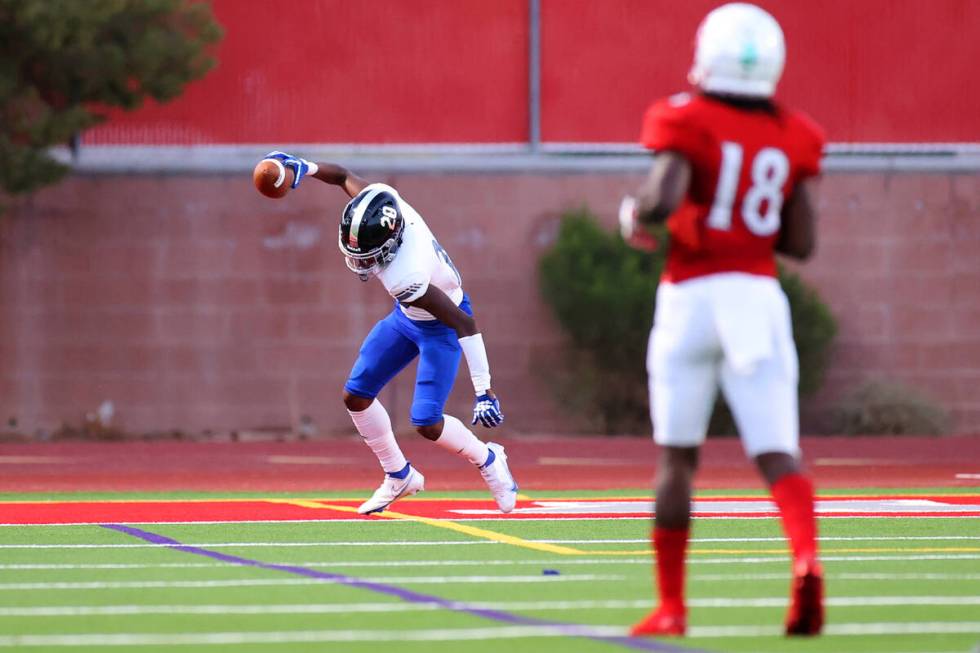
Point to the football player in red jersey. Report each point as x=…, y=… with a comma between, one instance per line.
x=729, y=176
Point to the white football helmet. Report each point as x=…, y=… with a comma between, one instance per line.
x=740, y=51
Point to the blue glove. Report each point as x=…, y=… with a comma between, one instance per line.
x=486, y=411
x=300, y=166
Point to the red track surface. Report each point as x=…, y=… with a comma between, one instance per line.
x=539, y=463
x=135, y=512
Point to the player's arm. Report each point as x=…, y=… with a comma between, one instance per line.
x=664, y=188
x=330, y=173
x=338, y=175
x=659, y=196
x=437, y=303
x=486, y=408
x=797, y=235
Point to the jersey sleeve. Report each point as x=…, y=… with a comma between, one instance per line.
x=410, y=288
x=667, y=125
x=810, y=143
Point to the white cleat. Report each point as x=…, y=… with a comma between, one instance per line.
x=502, y=485
x=392, y=489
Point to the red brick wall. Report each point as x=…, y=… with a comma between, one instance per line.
x=194, y=303
x=899, y=264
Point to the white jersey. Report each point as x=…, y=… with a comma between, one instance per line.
x=419, y=262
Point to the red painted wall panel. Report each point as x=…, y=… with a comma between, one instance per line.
x=434, y=71
x=351, y=72
x=868, y=70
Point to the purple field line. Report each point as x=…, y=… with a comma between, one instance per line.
x=571, y=630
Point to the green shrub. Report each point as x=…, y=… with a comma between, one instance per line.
x=602, y=292
x=814, y=328
x=66, y=64
x=888, y=408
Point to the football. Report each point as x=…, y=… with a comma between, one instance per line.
x=272, y=178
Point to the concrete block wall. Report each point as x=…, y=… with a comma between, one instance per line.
x=193, y=303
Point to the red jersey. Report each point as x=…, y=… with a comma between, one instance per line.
x=744, y=164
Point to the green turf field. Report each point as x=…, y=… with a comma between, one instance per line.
x=896, y=585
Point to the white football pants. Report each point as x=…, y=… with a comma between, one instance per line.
x=733, y=331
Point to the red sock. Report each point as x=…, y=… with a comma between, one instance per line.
x=793, y=494
x=671, y=547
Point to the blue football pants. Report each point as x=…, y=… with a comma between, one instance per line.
x=392, y=344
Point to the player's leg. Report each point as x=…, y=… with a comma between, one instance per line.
x=764, y=403
x=771, y=441
x=491, y=460
x=454, y=436
x=384, y=353
x=793, y=492
x=682, y=364
x=439, y=358
x=671, y=531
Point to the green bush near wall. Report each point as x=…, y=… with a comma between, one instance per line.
x=602, y=293
x=879, y=407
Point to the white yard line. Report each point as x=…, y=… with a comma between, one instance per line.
x=455, y=634
x=836, y=601
x=842, y=558
x=245, y=582
x=847, y=629
x=696, y=540
x=213, y=545
x=446, y=580
x=741, y=578
x=639, y=559
x=291, y=637
x=345, y=608
x=874, y=538
x=770, y=516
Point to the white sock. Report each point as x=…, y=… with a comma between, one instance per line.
x=460, y=440
x=374, y=425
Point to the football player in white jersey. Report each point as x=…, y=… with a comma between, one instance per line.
x=382, y=236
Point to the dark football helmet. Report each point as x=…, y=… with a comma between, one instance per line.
x=371, y=231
